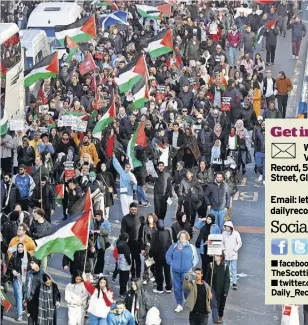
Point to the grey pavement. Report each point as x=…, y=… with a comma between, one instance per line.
x=245, y=306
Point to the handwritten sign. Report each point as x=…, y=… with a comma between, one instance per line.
x=16, y=125
x=43, y=130
x=214, y=245
x=79, y=125
x=43, y=109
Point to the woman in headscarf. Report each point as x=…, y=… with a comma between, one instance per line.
x=137, y=301
x=201, y=243
x=239, y=125
x=192, y=152
x=180, y=224
x=243, y=157
x=19, y=265
x=48, y=302
x=76, y=297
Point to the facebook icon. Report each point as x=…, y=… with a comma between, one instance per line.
x=279, y=246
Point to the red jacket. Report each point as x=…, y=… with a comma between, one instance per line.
x=234, y=39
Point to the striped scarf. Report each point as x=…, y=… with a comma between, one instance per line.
x=46, y=308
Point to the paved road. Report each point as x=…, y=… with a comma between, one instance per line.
x=244, y=307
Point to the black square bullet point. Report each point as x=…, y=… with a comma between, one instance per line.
x=274, y=263
x=274, y=283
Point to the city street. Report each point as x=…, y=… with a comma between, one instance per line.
x=245, y=306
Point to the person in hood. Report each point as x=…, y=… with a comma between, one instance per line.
x=218, y=277
x=217, y=199
x=119, y=315
x=19, y=265
x=182, y=257
x=180, y=224
x=160, y=243
x=201, y=243
x=232, y=242
x=205, y=142
x=137, y=301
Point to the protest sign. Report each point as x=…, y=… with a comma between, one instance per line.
x=16, y=125
x=214, y=245
x=79, y=125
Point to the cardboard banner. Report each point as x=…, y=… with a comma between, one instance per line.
x=16, y=125
x=79, y=125
x=43, y=109
x=69, y=173
x=87, y=65
x=214, y=245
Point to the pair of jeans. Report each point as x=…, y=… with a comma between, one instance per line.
x=250, y=52
x=141, y=196
x=233, y=56
x=270, y=53
x=178, y=286
x=296, y=46
x=217, y=306
x=17, y=287
x=97, y=320
x=219, y=217
x=282, y=104
x=260, y=162
x=283, y=25
x=233, y=270
x=162, y=269
x=136, y=260
x=198, y=318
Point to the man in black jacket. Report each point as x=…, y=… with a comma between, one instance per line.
x=162, y=190
x=217, y=199
x=44, y=196
x=179, y=175
x=176, y=140
x=9, y=194
x=25, y=153
x=131, y=225
x=205, y=142
x=260, y=151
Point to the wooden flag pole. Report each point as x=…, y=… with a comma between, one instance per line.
x=88, y=230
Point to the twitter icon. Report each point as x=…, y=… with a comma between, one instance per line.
x=299, y=247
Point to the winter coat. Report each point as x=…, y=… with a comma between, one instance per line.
x=259, y=142
x=191, y=145
x=298, y=31
x=101, y=239
x=131, y=225
x=254, y=21
x=126, y=318
x=191, y=299
x=220, y=280
x=15, y=263
x=124, y=259
x=145, y=236
x=25, y=185
x=48, y=197
x=192, y=193
x=9, y=194
x=72, y=199
x=62, y=146
x=193, y=51
x=9, y=230
x=232, y=242
x=7, y=146
x=187, y=98
x=182, y=258
x=160, y=242
x=205, y=141
x=39, y=230
x=107, y=179
x=38, y=172
x=26, y=155
x=249, y=40
x=163, y=184
x=204, y=177
x=271, y=36
x=234, y=40
x=249, y=117
x=218, y=197
x=178, y=226
x=91, y=150
x=269, y=114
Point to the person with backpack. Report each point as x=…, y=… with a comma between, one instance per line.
x=209, y=228
x=182, y=257
x=218, y=277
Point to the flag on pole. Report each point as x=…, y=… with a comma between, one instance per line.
x=47, y=68
x=138, y=139
x=4, y=123
x=152, y=12
x=107, y=119
x=105, y=3
x=261, y=30
x=131, y=74
x=71, y=48
x=160, y=44
x=82, y=30
x=140, y=93
x=110, y=146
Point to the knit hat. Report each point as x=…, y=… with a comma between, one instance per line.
x=92, y=174
x=35, y=260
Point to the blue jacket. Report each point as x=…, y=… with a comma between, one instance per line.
x=126, y=187
x=298, y=31
x=182, y=260
x=126, y=318
x=46, y=147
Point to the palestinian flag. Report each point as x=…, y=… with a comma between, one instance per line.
x=5, y=301
x=171, y=3
x=59, y=193
x=146, y=11
x=105, y=3
x=82, y=205
x=110, y=146
x=138, y=139
x=48, y=67
x=4, y=123
x=160, y=44
x=107, y=119
x=81, y=30
x=141, y=93
x=71, y=48
x=131, y=74
x=66, y=239
x=262, y=29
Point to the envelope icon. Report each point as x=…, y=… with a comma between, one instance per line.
x=283, y=150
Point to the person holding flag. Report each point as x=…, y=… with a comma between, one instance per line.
x=271, y=33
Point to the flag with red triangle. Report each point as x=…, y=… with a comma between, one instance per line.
x=105, y=3
x=71, y=48
x=47, y=68
x=140, y=93
x=5, y=301
x=106, y=120
x=160, y=44
x=59, y=193
x=82, y=30
x=138, y=139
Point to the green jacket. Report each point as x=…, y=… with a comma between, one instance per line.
x=191, y=286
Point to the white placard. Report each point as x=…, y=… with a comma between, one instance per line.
x=214, y=245
x=79, y=125
x=16, y=125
